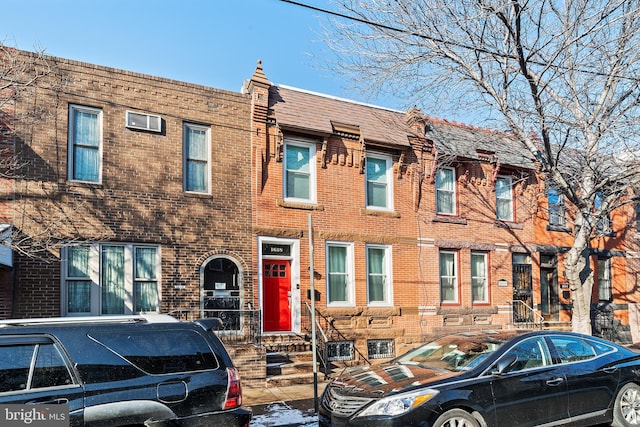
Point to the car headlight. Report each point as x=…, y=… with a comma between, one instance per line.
x=398, y=404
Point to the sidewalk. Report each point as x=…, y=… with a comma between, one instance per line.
x=290, y=406
x=252, y=396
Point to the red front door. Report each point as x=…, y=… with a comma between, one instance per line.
x=276, y=299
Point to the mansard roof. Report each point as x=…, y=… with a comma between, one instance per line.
x=313, y=113
x=477, y=143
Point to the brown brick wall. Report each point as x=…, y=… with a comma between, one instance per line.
x=141, y=197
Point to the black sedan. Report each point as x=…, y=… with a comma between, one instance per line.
x=492, y=379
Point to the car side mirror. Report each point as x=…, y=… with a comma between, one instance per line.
x=504, y=364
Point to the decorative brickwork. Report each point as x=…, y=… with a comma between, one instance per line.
x=140, y=198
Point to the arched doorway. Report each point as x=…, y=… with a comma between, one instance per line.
x=221, y=284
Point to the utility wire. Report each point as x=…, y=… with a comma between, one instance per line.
x=440, y=40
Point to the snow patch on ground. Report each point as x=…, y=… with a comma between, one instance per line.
x=280, y=414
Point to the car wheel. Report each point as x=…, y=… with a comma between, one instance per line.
x=626, y=411
x=456, y=418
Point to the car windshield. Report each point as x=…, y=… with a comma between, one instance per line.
x=453, y=353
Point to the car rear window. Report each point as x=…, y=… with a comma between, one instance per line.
x=160, y=352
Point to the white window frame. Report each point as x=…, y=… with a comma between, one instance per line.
x=456, y=299
x=603, y=225
x=185, y=162
x=452, y=191
x=605, y=279
x=507, y=200
x=311, y=146
x=350, y=292
x=556, y=209
x=95, y=277
x=386, y=274
x=72, y=143
x=389, y=182
x=484, y=277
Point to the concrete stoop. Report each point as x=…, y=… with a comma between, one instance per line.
x=291, y=368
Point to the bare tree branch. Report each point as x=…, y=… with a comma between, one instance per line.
x=563, y=77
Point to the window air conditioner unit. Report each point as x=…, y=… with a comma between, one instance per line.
x=143, y=121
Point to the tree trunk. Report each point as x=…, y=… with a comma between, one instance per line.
x=580, y=277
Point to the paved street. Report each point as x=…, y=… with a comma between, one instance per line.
x=293, y=413
x=283, y=406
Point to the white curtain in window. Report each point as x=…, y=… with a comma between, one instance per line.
x=78, y=291
x=146, y=285
x=447, y=276
x=338, y=274
x=478, y=277
x=113, y=280
x=376, y=273
x=86, y=145
x=445, y=191
x=503, y=199
x=79, y=296
x=78, y=261
x=197, y=161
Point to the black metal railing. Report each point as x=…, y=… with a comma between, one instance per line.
x=525, y=316
x=236, y=326
x=327, y=333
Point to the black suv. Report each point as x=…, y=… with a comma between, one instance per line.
x=116, y=371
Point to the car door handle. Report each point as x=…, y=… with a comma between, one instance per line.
x=555, y=381
x=609, y=370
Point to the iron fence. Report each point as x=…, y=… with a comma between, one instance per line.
x=236, y=326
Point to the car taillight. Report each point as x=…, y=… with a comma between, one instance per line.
x=234, y=391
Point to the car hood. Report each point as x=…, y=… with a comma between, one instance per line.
x=382, y=380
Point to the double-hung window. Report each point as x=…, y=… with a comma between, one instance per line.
x=446, y=191
x=379, y=174
x=479, y=277
x=85, y=144
x=299, y=171
x=605, y=291
x=504, y=199
x=197, y=158
x=448, y=277
x=556, y=207
x=103, y=279
x=379, y=275
x=340, y=287
x=603, y=225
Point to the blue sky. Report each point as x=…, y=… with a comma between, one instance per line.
x=216, y=43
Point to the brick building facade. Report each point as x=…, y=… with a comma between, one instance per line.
x=137, y=187
x=150, y=195
x=391, y=200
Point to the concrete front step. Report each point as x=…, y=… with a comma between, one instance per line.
x=289, y=363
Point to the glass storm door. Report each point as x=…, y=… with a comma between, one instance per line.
x=276, y=302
